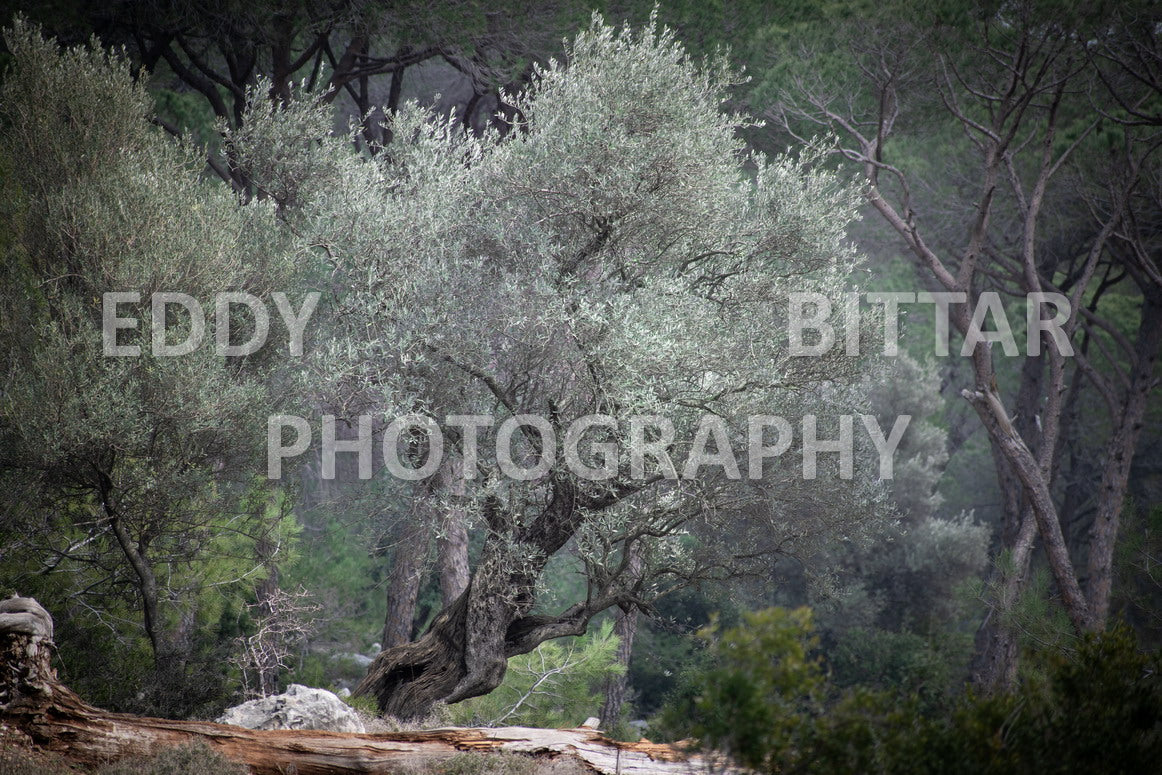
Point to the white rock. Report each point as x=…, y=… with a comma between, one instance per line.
x=300, y=707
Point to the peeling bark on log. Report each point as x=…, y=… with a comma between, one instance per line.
x=53, y=718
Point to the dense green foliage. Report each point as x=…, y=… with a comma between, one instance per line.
x=146, y=499
x=768, y=701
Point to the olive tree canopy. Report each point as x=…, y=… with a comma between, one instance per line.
x=618, y=253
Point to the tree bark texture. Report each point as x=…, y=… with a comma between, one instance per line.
x=452, y=542
x=625, y=628
x=464, y=652
x=996, y=652
x=407, y=570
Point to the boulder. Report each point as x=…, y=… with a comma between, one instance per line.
x=299, y=707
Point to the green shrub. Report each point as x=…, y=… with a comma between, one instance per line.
x=1102, y=711
x=881, y=659
x=753, y=702
x=1098, y=710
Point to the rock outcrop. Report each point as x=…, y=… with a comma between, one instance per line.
x=299, y=707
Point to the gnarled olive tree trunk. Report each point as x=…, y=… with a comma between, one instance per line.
x=465, y=651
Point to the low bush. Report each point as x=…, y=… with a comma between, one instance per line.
x=769, y=705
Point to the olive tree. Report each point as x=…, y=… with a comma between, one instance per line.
x=129, y=478
x=616, y=253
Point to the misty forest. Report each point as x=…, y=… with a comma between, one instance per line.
x=505, y=388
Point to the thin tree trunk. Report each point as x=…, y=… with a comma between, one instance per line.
x=997, y=653
x=1119, y=458
x=394, y=94
x=166, y=657
x=452, y=547
x=452, y=543
x=409, y=557
x=280, y=88
x=616, y=686
x=265, y=591
x=625, y=628
x=1033, y=479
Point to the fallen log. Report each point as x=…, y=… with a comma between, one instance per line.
x=49, y=716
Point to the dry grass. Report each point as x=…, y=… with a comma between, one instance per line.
x=497, y=763
x=17, y=757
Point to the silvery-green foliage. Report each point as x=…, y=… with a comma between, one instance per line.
x=110, y=203
x=910, y=577
x=906, y=386
x=618, y=251
x=956, y=547
x=279, y=143
x=940, y=553
x=40, y=81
